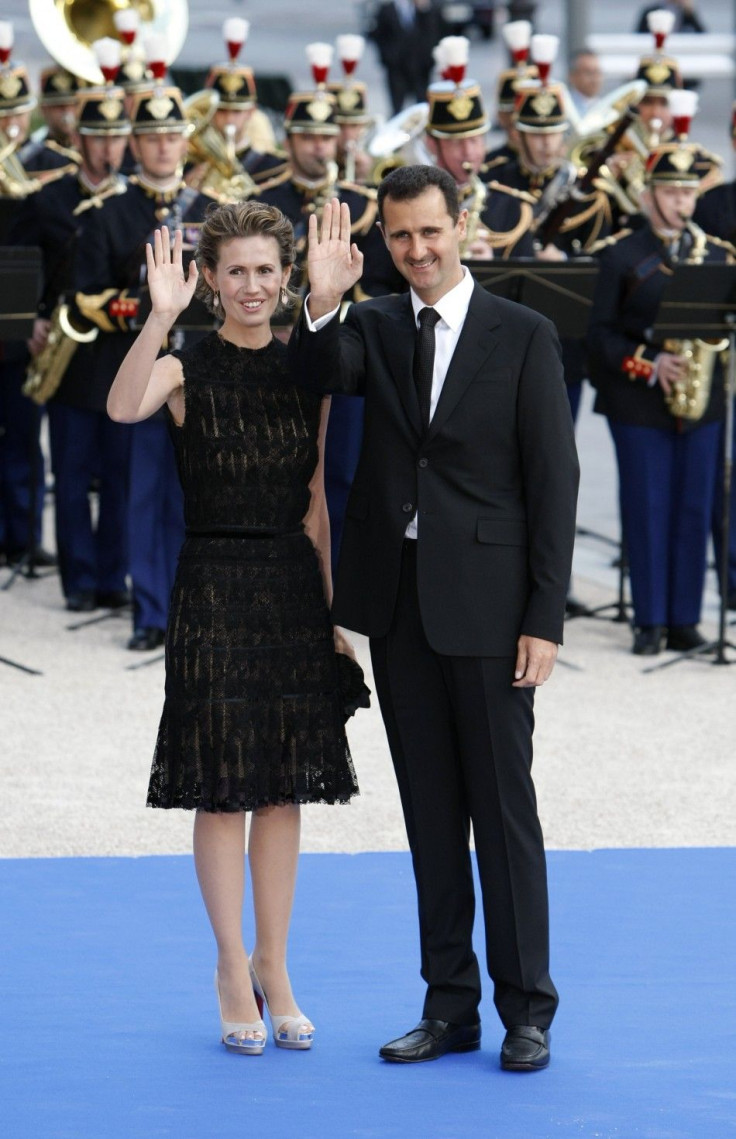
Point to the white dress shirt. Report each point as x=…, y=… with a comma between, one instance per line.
x=453, y=308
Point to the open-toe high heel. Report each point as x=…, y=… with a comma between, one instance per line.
x=288, y=1031
x=234, y=1034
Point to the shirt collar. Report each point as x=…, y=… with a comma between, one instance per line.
x=453, y=306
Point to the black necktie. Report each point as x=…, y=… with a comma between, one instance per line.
x=424, y=360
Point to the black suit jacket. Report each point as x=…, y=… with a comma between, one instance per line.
x=494, y=479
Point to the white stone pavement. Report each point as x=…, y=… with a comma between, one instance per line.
x=621, y=758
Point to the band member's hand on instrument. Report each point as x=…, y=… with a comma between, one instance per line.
x=171, y=292
x=535, y=659
x=670, y=369
x=550, y=252
x=37, y=343
x=334, y=262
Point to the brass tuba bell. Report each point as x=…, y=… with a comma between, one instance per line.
x=68, y=28
x=224, y=176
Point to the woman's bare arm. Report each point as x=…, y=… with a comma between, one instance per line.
x=144, y=383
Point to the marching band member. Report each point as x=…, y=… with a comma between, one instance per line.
x=85, y=444
x=21, y=460
x=716, y=214
x=666, y=463
x=108, y=298
x=499, y=218
x=56, y=146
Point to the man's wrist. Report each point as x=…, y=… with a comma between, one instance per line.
x=322, y=306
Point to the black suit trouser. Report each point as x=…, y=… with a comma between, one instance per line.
x=461, y=742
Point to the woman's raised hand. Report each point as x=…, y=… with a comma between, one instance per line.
x=334, y=262
x=171, y=292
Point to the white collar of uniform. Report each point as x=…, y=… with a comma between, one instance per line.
x=453, y=306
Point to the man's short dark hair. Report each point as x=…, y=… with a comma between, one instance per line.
x=408, y=182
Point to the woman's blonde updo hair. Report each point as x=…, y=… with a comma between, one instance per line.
x=241, y=219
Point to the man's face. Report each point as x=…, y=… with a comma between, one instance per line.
x=230, y=121
x=452, y=155
x=17, y=126
x=102, y=156
x=668, y=207
x=543, y=150
x=160, y=155
x=61, y=120
x=586, y=76
x=424, y=242
x=310, y=154
x=654, y=107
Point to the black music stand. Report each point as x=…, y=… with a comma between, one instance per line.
x=563, y=292
x=703, y=305
x=20, y=284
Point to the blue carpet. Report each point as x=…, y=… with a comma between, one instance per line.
x=108, y=1024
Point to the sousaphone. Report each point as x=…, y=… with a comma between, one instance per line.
x=68, y=28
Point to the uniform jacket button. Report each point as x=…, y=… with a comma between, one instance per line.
x=424, y=462
x=407, y=508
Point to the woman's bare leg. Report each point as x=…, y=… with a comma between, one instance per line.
x=219, y=858
x=273, y=852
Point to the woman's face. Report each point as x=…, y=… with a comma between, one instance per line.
x=249, y=279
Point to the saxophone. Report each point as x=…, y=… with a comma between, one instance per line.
x=690, y=396
x=46, y=371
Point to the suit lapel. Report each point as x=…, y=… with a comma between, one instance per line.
x=398, y=334
x=475, y=345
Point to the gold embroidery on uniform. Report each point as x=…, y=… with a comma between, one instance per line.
x=10, y=85
x=348, y=99
x=319, y=110
x=230, y=83
x=544, y=104
x=110, y=109
x=460, y=107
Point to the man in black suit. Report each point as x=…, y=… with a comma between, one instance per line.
x=455, y=562
x=405, y=33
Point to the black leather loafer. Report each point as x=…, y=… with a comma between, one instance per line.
x=682, y=638
x=84, y=602
x=525, y=1049
x=144, y=640
x=430, y=1040
x=648, y=640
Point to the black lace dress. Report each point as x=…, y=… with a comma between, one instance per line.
x=252, y=714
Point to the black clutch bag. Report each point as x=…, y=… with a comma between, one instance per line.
x=353, y=689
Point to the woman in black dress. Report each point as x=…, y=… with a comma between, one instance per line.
x=253, y=719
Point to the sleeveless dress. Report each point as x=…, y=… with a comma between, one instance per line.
x=252, y=714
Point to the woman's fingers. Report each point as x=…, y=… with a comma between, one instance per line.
x=345, y=223
x=176, y=257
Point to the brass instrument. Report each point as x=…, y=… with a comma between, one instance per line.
x=14, y=180
x=46, y=371
x=689, y=397
x=475, y=203
x=68, y=28
x=225, y=177
x=592, y=132
x=399, y=143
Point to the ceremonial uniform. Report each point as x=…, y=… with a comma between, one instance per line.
x=667, y=465
x=86, y=445
x=107, y=297
x=21, y=460
x=50, y=150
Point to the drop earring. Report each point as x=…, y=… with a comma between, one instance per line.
x=284, y=297
x=216, y=300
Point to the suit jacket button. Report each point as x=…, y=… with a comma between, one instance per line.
x=424, y=462
x=407, y=508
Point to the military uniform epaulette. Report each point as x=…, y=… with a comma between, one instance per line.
x=366, y=191
x=278, y=179
x=65, y=151
x=520, y=195
x=606, y=242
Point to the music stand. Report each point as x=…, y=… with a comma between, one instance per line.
x=563, y=292
x=711, y=315
x=20, y=283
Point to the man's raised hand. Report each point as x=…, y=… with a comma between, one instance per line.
x=334, y=262
x=171, y=292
